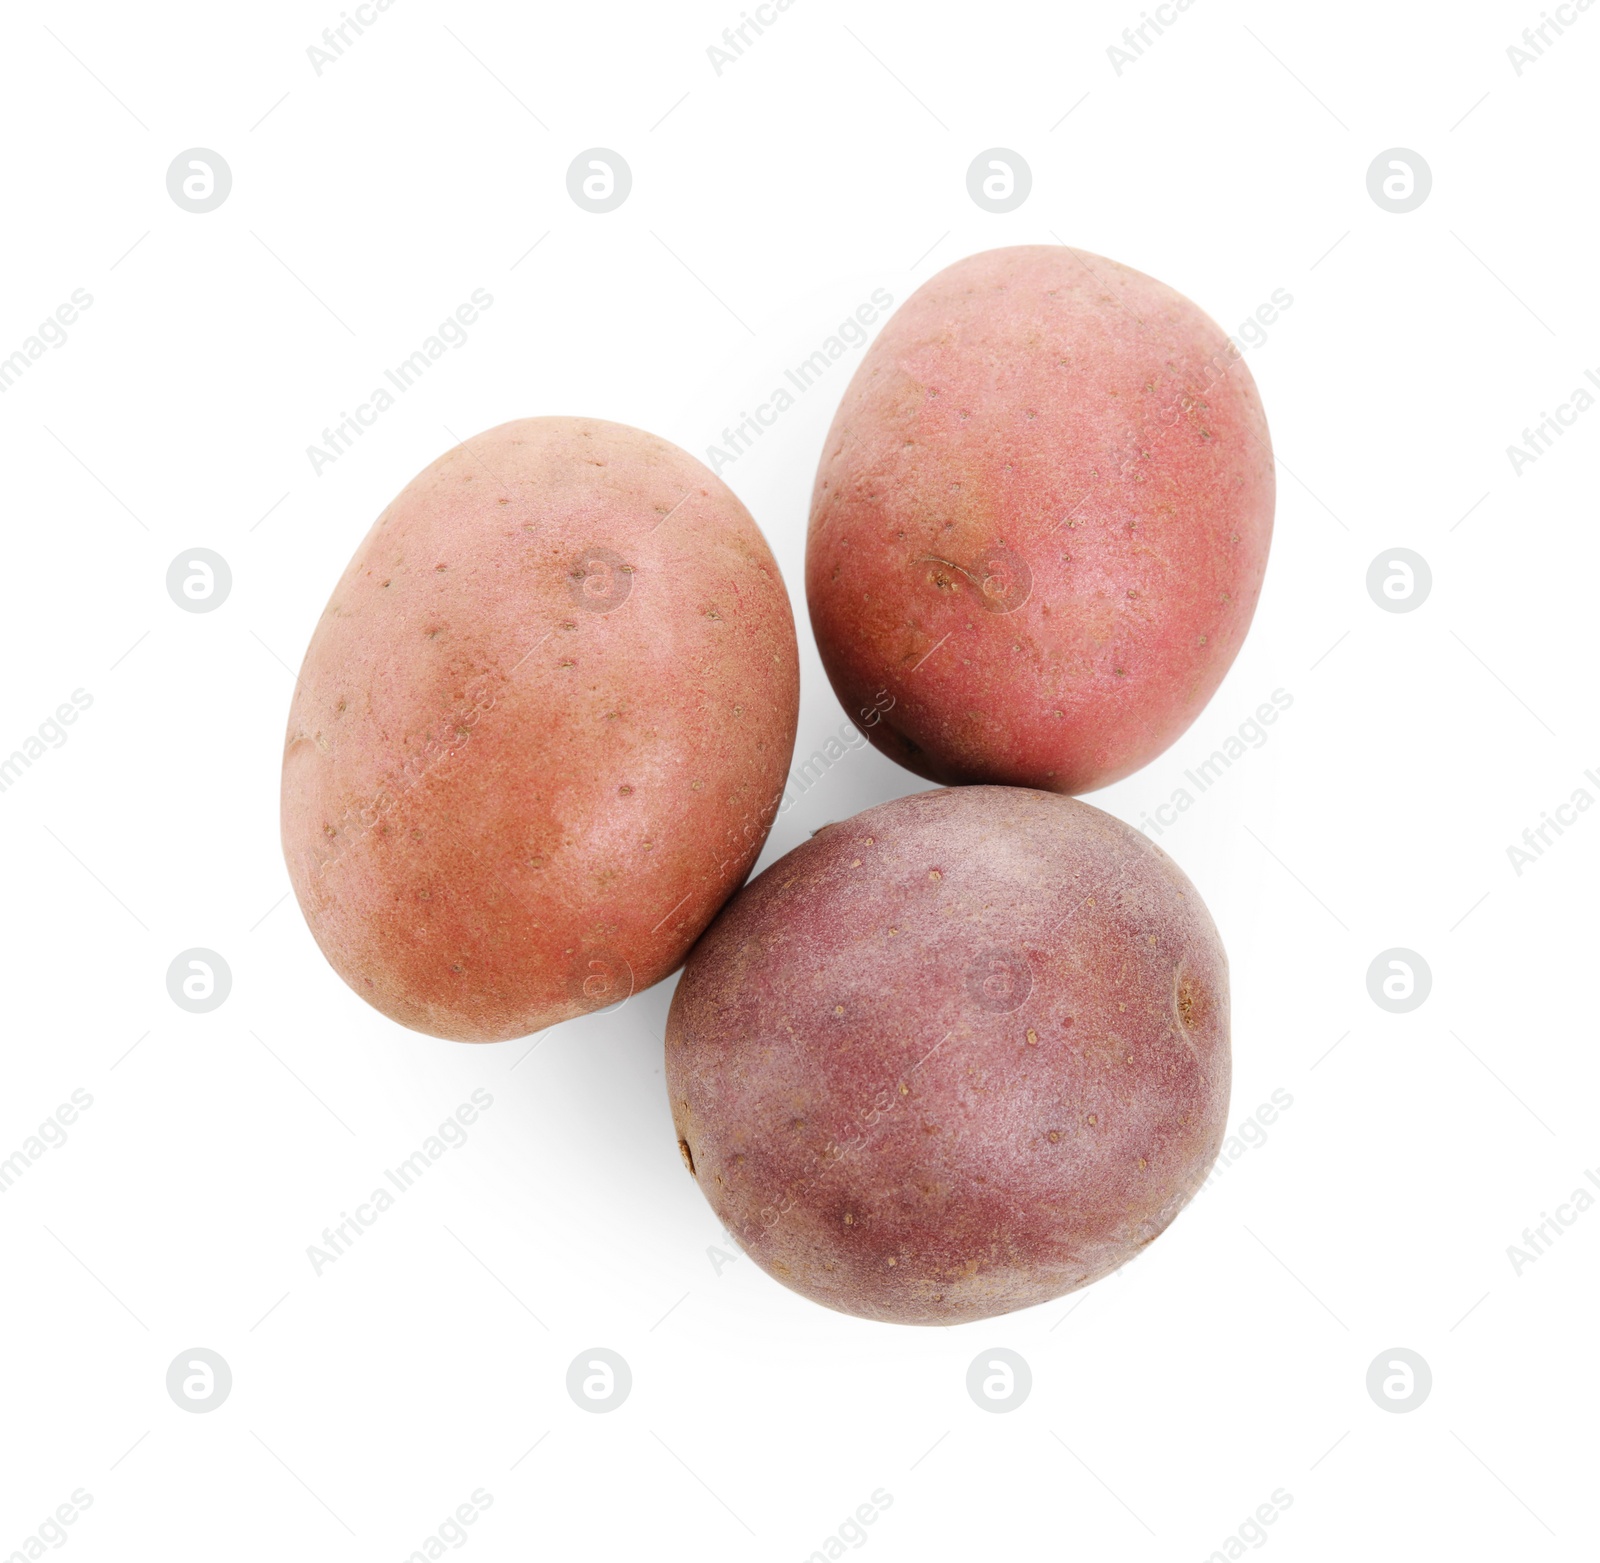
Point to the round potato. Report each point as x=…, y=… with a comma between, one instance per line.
x=958, y=1055
x=541, y=731
x=1040, y=522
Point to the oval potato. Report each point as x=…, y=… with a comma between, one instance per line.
x=958, y=1055
x=541, y=730
x=1040, y=522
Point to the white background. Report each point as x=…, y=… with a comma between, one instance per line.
x=768, y=201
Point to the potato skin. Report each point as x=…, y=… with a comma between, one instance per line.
x=1040, y=522
x=961, y=1054
x=541, y=731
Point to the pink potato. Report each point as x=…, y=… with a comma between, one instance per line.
x=541, y=731
x=958, y=1055
x=1040, y=522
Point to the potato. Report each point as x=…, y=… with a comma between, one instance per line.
x=958, y=1055
x=541, y=731
x=1040, y=522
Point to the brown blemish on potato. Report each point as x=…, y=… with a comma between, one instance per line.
x=1192, y=1001
x=688, y=1158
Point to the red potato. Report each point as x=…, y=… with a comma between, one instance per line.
x=1040, y=522
x=541, y=731
x=956, y=1056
